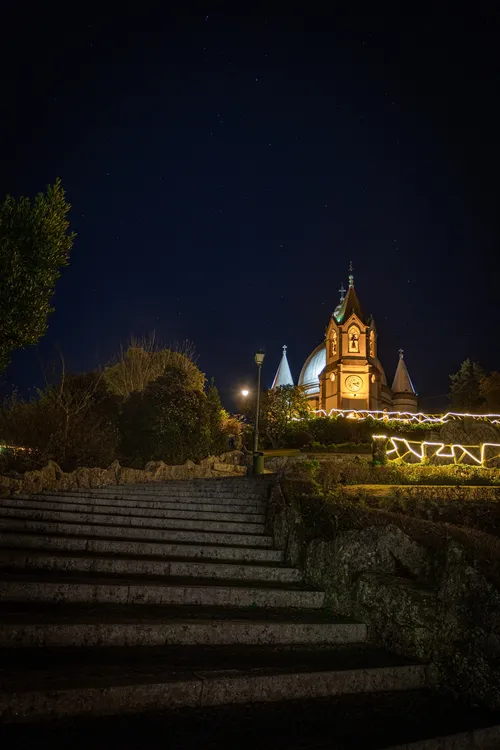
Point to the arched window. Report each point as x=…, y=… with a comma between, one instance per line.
x=353, y=339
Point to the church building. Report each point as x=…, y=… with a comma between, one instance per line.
x=344, y=371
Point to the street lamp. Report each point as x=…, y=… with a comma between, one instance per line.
x=245, y=392
x=258, y=464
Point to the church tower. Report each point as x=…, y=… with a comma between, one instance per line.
x=353, y=377
x=344, y=371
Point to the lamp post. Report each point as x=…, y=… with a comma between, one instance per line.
x=258, y=464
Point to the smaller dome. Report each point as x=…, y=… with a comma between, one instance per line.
x=313, y=366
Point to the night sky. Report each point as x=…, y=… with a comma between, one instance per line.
x=224, y=169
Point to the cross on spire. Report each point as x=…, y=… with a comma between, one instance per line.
x=342, y=292
x=401, y=354
x=351, y=275
x=284, y=348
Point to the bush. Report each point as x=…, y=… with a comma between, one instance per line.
x=73, y=423
x=360, y=471
x=337, y=448
x=340, y=429
x=297, y=435
x=79, y=422
x=172, y=423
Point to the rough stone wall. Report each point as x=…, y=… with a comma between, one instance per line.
x=431, y=605
x=53, y=478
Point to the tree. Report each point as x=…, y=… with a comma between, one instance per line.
x=144, y=361
x=73, y=421
x=280, y=406
x=490, y=391
x=167, y=421
x=465, y=389
x=35, y=243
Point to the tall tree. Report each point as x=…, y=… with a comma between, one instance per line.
x=144, y=361
x=35, y=243
x=280, y=406
x=490, y=390
x=465, y=388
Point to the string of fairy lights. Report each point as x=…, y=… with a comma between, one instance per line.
x=398, y=448
x=420, y=451
x=406, y=416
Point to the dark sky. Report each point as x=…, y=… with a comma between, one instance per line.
x=224, y=169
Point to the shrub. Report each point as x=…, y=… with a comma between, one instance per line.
x=297, y=435
x=171, y=422
x=337, y=448
x=73, y=423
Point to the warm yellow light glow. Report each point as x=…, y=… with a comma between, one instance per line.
x=406, y=416
x=245, y=392
x=400, y=448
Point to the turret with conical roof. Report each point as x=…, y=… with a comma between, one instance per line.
x=283, y=374
x=404, y=394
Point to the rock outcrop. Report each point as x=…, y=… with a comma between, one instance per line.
x=428, y=603
x=53, y=479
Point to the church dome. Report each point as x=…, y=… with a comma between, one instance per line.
x=314, y=364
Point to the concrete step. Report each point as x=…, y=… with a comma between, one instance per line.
x=141, y=566
x=238, y=486
x=65, y=626
x=91, y=544
x=389, y=720
x=131, y=509
x=45, y=586
x=231, y=497
x=36, y=683
x=115, y=519
x=152, y=502
x=128, y=532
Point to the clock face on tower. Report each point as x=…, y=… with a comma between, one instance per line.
x=353, y=383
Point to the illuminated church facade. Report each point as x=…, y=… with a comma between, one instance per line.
x=344, y=371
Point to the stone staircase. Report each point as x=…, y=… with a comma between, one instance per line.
x=123, y=601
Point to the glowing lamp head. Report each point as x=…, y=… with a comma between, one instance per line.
x=259, y=358
x=245, y=392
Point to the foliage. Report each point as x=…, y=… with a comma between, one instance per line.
x=361, y=471
x=490, y=391
x=144, y=361
x=172, y=422
x=34, y=244
x=73, y=422
x=278, y=408
x=232, y=427
x=297, y=434
x=337, y=448
x=219, y=422
x=465, y=388
x=325, y=513
x=339, y=429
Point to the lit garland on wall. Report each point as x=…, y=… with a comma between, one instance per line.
x=400, y=448
x=406, y=416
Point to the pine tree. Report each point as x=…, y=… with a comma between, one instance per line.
x=465, y=389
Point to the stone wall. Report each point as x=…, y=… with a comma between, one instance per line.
x=428, y=603
x=53, y=478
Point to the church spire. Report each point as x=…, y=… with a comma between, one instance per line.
x=402, y=381
x=283, y=374
x=348, y=304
